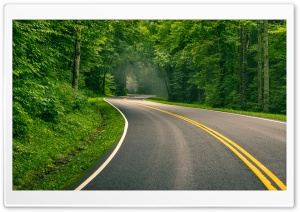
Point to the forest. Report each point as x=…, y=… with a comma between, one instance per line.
x=236, y=64
x=59, y=64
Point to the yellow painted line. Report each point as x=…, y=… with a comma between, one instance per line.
x=230, y=144
x=253, y=159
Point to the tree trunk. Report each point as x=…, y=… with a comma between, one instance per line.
x=76, y=59
x=221, y=87
x=104, y=76
x=259, y=64
x=165, y=80
x=103, y=81
x=266, y=67
x=243, y=47
x=240, y=59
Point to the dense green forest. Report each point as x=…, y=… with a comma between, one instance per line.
x=58, y=64
x=235, y=64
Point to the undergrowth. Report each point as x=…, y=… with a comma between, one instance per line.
x=53, y=155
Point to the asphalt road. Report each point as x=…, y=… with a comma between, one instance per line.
x=165, y=151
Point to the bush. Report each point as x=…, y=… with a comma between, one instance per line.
x=21, y=120
x=67, y=99
x=212, y=96
x=36, y=101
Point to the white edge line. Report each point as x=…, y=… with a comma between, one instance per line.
x=236, y=114
x=87, y=181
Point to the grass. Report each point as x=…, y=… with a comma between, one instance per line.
x=201, y=106
x=55, y=155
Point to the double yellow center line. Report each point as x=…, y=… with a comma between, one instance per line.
x=258, y=168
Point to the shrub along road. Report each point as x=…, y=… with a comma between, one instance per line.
x=177, y=148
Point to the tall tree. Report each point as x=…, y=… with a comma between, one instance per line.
x=259, y=64
x=266, y=67
x=77, y=56
x=243, y=50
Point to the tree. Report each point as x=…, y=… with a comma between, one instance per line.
x=77, y=56
x=266, y=67
x=243, y=50
x=259, y=65
x=277, y=66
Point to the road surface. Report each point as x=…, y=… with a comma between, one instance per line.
x=177, y=148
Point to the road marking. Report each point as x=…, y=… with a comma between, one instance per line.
x=87, y=181
x=234, y=148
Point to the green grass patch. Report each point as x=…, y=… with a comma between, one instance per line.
x=201, y=106
x=55, y=154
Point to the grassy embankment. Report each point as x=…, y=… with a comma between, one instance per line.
x=195, y=105
x=55, y=155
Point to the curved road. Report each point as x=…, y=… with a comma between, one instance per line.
x=177, y=148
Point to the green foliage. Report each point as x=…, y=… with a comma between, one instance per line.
x=21, y=120
x=65, y=148
x=46, y=103
x=212, y=96
x=201, y=61
x=51, y=121
x=197, y=60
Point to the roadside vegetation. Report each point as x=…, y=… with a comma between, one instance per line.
x=54, y=155
x=206, y=107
